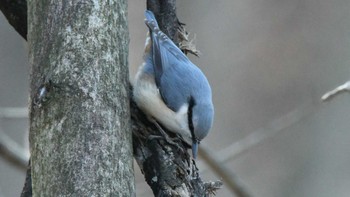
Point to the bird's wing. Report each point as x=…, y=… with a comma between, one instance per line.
x=165, y=52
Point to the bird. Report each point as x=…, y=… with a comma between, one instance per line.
x=171, y=90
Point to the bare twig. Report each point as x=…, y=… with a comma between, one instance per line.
x=264, y=133
x=343, y=88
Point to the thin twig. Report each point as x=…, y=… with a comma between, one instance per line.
x=264, y=133
x=343, y=88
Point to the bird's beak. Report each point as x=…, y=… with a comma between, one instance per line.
x=194, y=149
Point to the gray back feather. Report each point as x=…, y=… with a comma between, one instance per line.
x=176, y=76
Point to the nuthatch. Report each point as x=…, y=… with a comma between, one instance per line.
x=172, y=90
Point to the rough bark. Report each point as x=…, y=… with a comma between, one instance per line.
x=80, y=138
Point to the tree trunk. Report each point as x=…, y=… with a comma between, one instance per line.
x=80, y=137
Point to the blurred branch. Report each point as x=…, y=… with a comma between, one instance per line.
x=230, y=178
x=267, y=132
x=216, y=163
x=13, y=112
x=13, y=152
x=340, y=89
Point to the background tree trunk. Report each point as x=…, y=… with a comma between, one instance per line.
x=80, y=134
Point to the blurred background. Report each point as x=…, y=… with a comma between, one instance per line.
x=268, y=62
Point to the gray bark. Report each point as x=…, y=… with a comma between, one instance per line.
x=80, y=137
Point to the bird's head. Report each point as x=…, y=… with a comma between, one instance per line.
x=200, y=118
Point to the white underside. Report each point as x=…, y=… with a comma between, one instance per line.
x=148, y=99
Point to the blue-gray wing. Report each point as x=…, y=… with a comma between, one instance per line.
x=180, y=83
x=165, y=52
x=176, y=77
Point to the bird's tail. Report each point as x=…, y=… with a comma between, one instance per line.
x=151, y=21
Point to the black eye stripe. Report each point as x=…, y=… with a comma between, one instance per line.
x=189, y=116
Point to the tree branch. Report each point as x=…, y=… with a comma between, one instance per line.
x=340, y=89
x=225, y=173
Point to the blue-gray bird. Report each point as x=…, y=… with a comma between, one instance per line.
x=173, y=91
